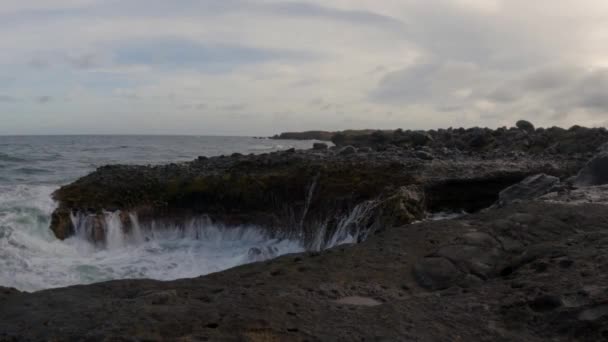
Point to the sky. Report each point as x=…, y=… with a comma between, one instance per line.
x=259, y=67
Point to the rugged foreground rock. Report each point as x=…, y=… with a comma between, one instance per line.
x=528, y=272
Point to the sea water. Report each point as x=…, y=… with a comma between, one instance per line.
x=31, y=258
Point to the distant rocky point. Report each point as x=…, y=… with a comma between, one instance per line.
x=522, y=137
x=309, y=135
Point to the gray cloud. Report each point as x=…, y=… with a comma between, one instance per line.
x=428, y=82
x=8, y=99
x=85, y=61
x=562, y=89
x=429, y=63
x=182, y=53
x=233, y=107
x=44, y=99
x=359, y=17
x=39, y=63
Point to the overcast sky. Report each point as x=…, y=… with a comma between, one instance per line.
x=257, y=67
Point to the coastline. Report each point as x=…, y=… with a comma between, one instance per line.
x=525, y=264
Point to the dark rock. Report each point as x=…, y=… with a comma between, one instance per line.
x=61, y=224
x=405, y=206
x=492, y=143
x=424, y=155
x=420, y=138
x=435, y=273
x=348, y=150
x=594, y=314
x=310, y=135
x=545, y=303
x=416, y=292
x=595, y=172
x=479, y=138
x=319, y=147
x=530, y=188
x=525, y=126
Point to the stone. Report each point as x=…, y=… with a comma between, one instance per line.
x=436, y=273
x=594, y=314
x=160, y=297
x=479, y=261
x=595, y=172
x=528, y=189
x=420, y=138
x=348, y=150
x=319, y=146
x=525, y=126
x=404, y=206
x=424, y=155
x=358, y=301
x=61, y=224
x=479, y=139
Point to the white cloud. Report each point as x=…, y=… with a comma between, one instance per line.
x=380, y=63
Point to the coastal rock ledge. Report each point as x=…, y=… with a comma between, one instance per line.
x=308, y=195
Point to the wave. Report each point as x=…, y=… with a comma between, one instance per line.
x=12, y=159
x=32, y=259
x=32, y=171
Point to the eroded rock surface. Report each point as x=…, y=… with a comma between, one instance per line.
x=530, y=188
x=532, y=271
x=295, y=193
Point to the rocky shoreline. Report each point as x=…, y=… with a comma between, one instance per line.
x=527, y=263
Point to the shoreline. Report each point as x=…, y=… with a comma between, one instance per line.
x=527, y=263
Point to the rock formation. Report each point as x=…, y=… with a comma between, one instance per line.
x=528, y=263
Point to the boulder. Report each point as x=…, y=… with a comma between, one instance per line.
x=530, y=188
x=424, y=155
x=595, y=172
x=420, y=138
x=479, y=139
x=404, y=206
x=319, y=146
x=525, y=126
x=348, y=150
x=436, y=273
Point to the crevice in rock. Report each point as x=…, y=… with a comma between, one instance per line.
x=470, y=195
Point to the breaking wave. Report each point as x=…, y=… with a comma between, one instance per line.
x=32, y=258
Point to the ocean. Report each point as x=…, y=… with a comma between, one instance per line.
x=32, y=167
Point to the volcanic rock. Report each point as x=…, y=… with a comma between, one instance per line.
x=595, y=172
x=525, y=126
x=530, y=188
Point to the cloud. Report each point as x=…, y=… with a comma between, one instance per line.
x=368, y=63
x=85, y=61
x=561, y=88
x=444, y=84
x=44, y=99
x=179, y=53
x=233, y=107
x=359, y=17
x=8, y=99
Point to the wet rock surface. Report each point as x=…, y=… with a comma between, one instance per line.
x=532, y=271
x=296, y=193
